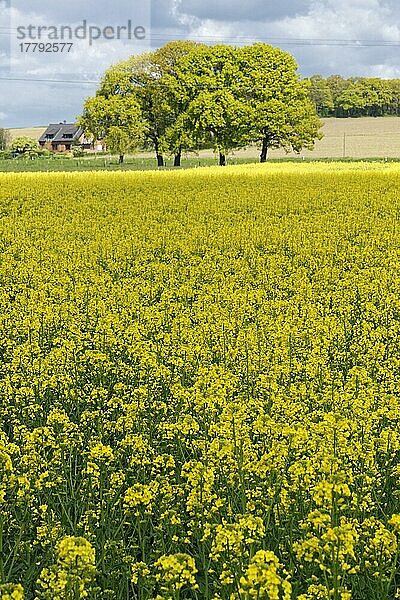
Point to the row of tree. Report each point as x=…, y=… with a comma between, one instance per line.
x=335, y=96
x=185, y=96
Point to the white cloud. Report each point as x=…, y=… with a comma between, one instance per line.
x=335, y=20
x=385, y=71
x=84, y=58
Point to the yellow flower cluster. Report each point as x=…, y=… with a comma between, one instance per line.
x=199, y=384
x=176, y=571
x=11, y=592
x=263, y=580
x=72, y=574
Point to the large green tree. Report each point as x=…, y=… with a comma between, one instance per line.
x=138, y=78
x=281, y=113
x=235, y=96
x=147, y=78
x=214, y=113
x=177, y=135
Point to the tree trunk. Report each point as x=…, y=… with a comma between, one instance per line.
x=121, y=159
x=160, y=160
x=177, y=160
x=222, y=160
x=264, y=151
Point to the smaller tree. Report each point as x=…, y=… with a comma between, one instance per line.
x=117, y=119
x=119, y=142
x=5, y=138
x=138, y=78
x=25, y=145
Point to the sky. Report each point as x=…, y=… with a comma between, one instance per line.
x=349, y=37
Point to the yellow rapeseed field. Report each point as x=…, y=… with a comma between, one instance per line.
x=199, y=384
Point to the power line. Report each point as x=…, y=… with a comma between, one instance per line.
x=292, y=41
x=40, y=80
x=159, y=84
x=352, y=43
x=281, y=39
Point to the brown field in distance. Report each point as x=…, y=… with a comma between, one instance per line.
x=366, y=137
x=32, y=132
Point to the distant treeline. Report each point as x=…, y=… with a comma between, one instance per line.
x=356, y=96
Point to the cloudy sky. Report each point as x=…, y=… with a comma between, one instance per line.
x=350, y=37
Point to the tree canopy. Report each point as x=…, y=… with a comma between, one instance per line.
x=280, y=111
x=186, y=95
